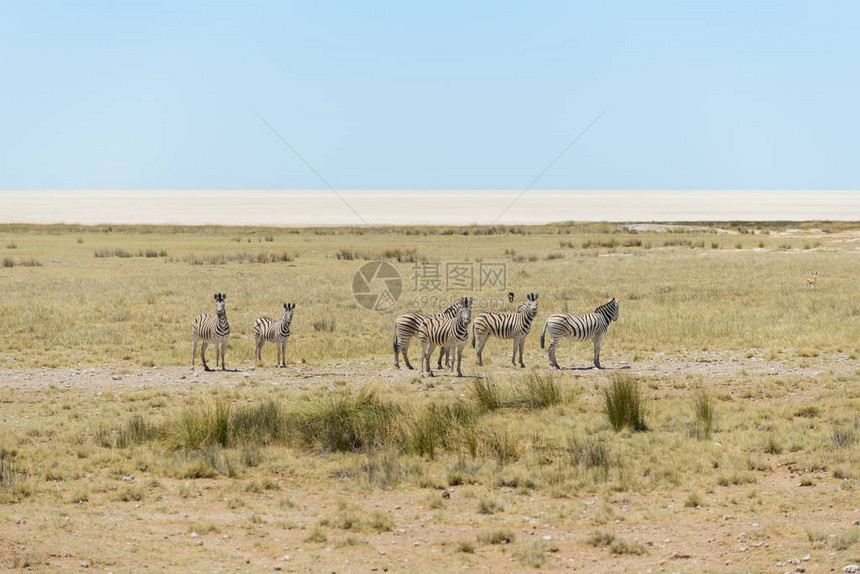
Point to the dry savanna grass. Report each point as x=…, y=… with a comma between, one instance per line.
x=724, y=436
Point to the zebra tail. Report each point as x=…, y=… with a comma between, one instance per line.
x=394, y=341
x=473, y=335
x=543, y=334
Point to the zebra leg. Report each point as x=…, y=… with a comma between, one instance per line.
x=404, y=349
x=522, y=344
x=426, y=356
x=203, y=346
x=597, y=352
x=443, y=352
x=258, y=349
x=482, y=341
x=460, y=358
x=284, y=353
x=551, y=352
x=193, y=349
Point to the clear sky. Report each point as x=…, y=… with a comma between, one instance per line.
x=445, y=94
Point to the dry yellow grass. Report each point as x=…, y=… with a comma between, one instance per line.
x=678, y=293
x=119, y=457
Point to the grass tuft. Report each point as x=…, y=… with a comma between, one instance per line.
x=497, y=536
x=592, y=452
x=532, y=554
x=485, y=392
x=623, y=403
x=539, y=390
x=704, y=410
x=844, y=435
x=345, y=423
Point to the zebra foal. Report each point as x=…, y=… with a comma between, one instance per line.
x=445, y=332
x=506, y=326
x=588, y=327
x=277, y=332
x=209, y=328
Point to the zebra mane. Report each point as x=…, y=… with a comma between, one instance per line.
x=608, y=310
x=453, y=309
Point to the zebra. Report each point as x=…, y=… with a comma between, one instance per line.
x=514, y=326
x=810, y=281
x=588, y=327
x=211, y=328
x=406, y=327
x=278, y=332
x=451, y=332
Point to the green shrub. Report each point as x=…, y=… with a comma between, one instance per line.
x=346, y=422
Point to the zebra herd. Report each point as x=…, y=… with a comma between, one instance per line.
x=448, y=330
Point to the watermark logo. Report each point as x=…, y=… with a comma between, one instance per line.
x=458, y=276
x=377, y=285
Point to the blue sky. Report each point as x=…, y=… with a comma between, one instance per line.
x=478, y=95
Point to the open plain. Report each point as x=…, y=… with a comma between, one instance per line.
x=116, y=455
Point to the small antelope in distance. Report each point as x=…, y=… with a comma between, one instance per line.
x=278, y=332
x=810, y=281
x=211, y=328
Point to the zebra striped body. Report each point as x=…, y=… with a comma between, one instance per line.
x=588, y=327
x=406, y=326
x=209, y=328
x=445, y=332
x=514, y=326
x=277, y=332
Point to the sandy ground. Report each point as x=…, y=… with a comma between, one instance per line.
x=417, y=207
x=730, y=533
